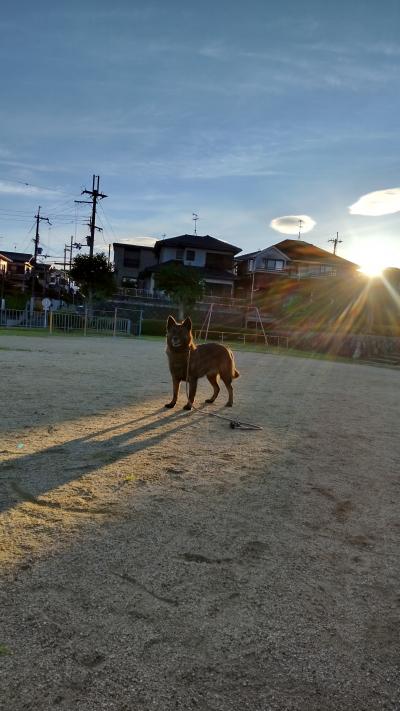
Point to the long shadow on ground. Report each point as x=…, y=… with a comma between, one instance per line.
x=33, y=475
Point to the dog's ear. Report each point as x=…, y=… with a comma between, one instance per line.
x=187, y=323
x=170, y=323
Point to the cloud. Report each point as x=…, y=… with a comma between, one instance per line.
x=380, y=202
x=20, y=188
x=213, y=51
x=290, y=224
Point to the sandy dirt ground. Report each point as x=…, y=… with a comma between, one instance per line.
x=158, y=559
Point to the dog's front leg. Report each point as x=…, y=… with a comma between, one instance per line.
x=175, y=390
x=192, y=393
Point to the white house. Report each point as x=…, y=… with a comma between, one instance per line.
x=213, y=258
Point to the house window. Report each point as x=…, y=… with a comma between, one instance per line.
x=131, y=258
x=179, y=255
x=132, y=262
x=273, y=265
x=327, y=269
x=190, y=255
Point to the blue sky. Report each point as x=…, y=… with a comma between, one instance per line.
x=243, y=113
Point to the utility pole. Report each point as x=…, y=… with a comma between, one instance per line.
x=335, y=241
x=95, y=195
x=69, y=248
x=38, y=219
x=37, y=250
x=300, y=226
x=195, y=218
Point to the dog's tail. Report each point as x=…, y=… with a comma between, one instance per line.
x=235, y=372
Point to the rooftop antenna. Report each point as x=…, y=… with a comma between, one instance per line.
x=335, y=241
x=164, y=235
x=300, y=226
x=195, y=218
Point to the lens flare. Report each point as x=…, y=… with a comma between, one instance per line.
x=372, y=268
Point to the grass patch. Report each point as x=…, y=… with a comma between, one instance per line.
x=17, y=331
x=4, y=650
x=129, y=477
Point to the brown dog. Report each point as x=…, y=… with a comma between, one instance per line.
x=189, y=362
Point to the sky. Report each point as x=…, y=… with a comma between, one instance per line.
x=248, y=114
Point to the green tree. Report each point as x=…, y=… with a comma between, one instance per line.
x=94, y=275
x=183, y=284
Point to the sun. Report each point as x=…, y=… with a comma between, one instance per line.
x=371, y=268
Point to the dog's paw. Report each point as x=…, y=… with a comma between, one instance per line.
x=170, y=404
x=187, y=406
x=229, y=404
x=209, y=400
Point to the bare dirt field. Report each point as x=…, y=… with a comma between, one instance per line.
x=158, y=559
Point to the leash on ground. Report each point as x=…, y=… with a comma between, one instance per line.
x=234, y=424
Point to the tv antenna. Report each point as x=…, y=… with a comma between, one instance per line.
x=195, y=218
x=301, y=222
x=335, y=241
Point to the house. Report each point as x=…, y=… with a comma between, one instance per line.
x=129, y=261
x=213, y=258
x=4, y=262
x=19, y=267
x=291, y=258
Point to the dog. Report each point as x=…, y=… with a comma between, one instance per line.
x=189, y=362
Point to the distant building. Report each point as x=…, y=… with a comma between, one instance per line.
x=19, y=267
x=129, y=261
x=4, y=262
x=291, y=258
x=213, y=258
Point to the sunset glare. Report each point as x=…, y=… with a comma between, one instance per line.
x=372, y=268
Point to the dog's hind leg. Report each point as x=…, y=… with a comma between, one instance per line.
x=214, y=382
x=228, y=384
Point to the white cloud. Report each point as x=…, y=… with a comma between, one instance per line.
x=380, y=202
x=213, y=51
x=290, y=224
x=20, y=188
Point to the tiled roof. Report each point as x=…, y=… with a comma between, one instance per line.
x=3, y=256
x=298, y=250
x=243, y=257
x=132, y=244
x=197, y=242
x=18, y=256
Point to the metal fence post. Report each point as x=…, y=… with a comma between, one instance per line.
x=115, y=322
